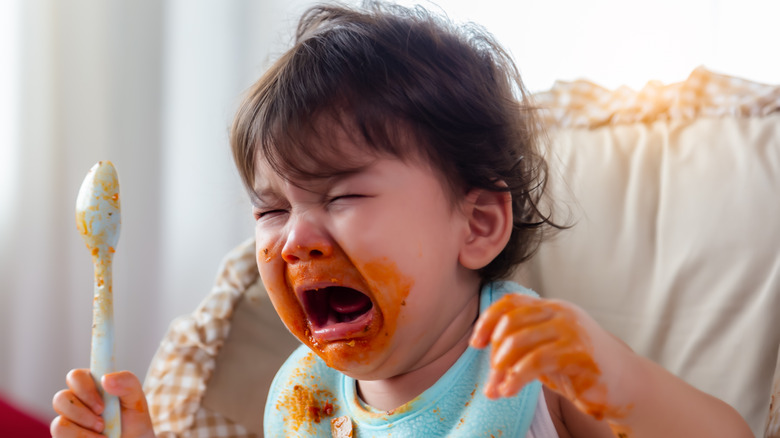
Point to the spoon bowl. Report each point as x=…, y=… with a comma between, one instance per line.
x=98, y=216
x=98, y=220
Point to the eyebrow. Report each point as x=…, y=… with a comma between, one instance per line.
x=260, y=198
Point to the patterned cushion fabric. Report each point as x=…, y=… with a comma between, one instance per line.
x=211, y=373
x=704, y=94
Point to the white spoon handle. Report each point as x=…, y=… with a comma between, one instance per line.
x=102, y=357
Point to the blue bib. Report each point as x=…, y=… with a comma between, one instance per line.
x=306, y=394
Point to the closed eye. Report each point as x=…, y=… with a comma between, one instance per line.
x=343, y=197
x=265, y=214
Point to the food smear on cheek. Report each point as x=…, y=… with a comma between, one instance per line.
x=331, y=271
x=286, y=305
x=389, y=288
x=380, y=279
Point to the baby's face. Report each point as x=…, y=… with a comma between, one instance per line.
x=364, y=268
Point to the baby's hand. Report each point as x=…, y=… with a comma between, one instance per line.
x=79, y=407
x=559, y=344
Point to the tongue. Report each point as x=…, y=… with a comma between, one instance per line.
x=343, y=300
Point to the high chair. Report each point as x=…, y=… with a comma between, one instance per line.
x=673, y=197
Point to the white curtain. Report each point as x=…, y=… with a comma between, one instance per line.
x=152, y=85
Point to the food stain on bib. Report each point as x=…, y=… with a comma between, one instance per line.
x=305, y=404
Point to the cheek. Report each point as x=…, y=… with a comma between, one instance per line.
x=402, y=254
x=271, y=267
x=391, y=289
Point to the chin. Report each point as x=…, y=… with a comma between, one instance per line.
x=357, y=355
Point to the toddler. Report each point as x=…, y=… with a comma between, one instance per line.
x=392, y=162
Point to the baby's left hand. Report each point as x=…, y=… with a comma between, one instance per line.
x=559, y=344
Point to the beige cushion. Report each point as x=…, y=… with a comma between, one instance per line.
x=675, y=246
x=257, y=346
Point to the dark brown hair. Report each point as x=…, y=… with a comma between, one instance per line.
x=395, y=73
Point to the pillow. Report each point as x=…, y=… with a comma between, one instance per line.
x=674, y=198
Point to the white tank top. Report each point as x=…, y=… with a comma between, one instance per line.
x=542, y=425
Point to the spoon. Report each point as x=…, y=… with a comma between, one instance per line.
x=98, y=220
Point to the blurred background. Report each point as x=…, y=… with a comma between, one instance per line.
x=152, y=85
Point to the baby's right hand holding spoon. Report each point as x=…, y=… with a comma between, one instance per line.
x=79, y=407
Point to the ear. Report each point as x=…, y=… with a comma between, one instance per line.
x=489, y=215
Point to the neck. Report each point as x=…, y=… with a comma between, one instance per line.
x=389, y=394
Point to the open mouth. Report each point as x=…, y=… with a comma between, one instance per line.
x=337, y=312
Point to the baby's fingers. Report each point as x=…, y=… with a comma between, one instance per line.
x=494, y=380
x=73, y=414
x=79, y=406
x=570, y=372
x=61, y=427
x=128, y=388
x=507, y=382
x=521, y=318
x=82, y=385
x=510, y=347
x=487, y=322
x=136, y=421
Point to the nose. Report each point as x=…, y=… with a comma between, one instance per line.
x=306, y=241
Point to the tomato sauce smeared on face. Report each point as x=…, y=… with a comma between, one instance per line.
x=286, y=305
x=380, y=280
x=389, y=289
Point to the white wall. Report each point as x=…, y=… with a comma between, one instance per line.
x=629, y=42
